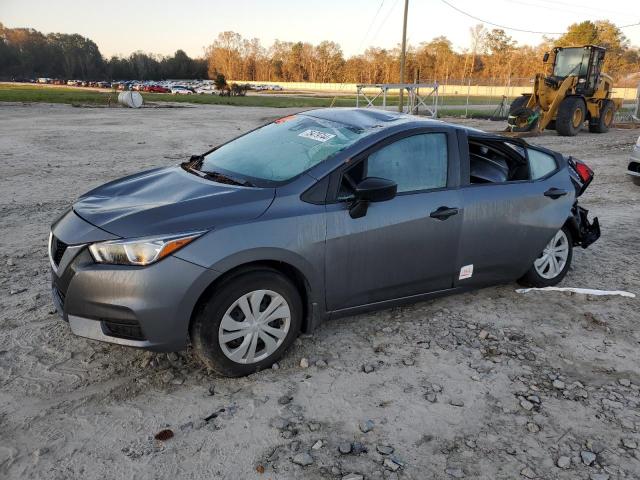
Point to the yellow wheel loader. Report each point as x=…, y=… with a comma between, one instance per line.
x=573, y=90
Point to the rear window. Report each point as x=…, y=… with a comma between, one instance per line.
x=541, y=164
x=283, y=149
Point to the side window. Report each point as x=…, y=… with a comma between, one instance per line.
x=492, y=161
x=418, y=162
x=540, y=163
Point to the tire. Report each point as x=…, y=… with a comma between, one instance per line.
x=551, y=125
x=605, y=120
x=571, y=115
x=519, y=102
x=523, y=119
x=207, y=331
x=541, y=276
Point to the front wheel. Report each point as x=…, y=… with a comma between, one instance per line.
x=247, y=323
x=570, y=117
x=553, y=263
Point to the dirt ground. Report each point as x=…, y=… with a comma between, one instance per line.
x=485, y=385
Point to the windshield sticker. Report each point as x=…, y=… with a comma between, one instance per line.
x=316, y=135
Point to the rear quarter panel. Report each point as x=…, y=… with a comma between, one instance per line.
x=506, y=226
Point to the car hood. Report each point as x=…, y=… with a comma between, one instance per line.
x=169, y=200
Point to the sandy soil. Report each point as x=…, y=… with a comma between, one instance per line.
x=491, y=384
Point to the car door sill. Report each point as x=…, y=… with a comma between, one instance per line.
x=382, y=305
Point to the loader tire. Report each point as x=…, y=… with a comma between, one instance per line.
x=571, y=115
x=519, y=102
x=605, y=120
x=523, y=120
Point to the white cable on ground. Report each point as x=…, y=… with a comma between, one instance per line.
x=585, y=291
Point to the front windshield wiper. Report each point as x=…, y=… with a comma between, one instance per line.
x=224, y=178
x=195, y=162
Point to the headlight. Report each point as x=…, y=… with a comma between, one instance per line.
x=140, y=251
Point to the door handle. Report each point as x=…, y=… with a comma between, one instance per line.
x=555, y=193
x=442, y=213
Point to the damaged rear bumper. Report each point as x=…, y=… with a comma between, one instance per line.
x=584, y=231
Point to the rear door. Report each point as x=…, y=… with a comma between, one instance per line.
x=397, y=249
x=507, y=224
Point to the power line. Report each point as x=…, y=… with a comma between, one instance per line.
x=497, y=25
x=370, y=25
x=583, y=7
x=384, y=21
x=513, y=28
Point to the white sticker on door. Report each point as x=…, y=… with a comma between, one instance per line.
x=466, y=272
x=316, y=135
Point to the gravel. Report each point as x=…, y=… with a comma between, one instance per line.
x=563, y=462
x=587, y=457
x=95, y=404
x=303, y=459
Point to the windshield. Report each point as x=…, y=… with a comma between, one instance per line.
x=571, y=61
x=283, y=149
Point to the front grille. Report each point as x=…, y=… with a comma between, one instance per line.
x=127, y=329
x=58, y=247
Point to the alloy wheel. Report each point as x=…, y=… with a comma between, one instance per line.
x=254, y=326
x=554, y=257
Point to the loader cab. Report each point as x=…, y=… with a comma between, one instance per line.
x=583, y=62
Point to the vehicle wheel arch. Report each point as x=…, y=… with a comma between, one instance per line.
x=289, y=271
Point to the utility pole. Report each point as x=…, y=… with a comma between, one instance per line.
x=403, y=53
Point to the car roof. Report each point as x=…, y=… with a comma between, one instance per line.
x=367, y=118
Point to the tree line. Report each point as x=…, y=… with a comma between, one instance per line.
x=27, y=53
x=493, y=57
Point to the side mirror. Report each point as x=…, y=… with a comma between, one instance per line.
x=546, y=57
x=371, y=189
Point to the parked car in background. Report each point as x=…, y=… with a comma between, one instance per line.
x=206, y=90
x=158, y=89
x=276, y=88
x=181, y=90
x=633, y=169
x=315, y=215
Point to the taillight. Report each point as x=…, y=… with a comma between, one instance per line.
x=585, y=173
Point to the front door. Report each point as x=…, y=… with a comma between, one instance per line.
x=404, y=246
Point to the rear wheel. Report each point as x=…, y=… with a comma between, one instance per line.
x=247, y=323
x=605, y=120
x=553, y=263
x=571, y=115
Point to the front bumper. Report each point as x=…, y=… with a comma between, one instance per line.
x=146, y=307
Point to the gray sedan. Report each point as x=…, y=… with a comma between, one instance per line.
x=316, y=215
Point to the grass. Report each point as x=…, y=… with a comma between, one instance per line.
x=81, y=97
x=75, y=96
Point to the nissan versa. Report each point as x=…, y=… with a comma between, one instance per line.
x=324, y=213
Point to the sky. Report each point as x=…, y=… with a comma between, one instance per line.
x=163, y=26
